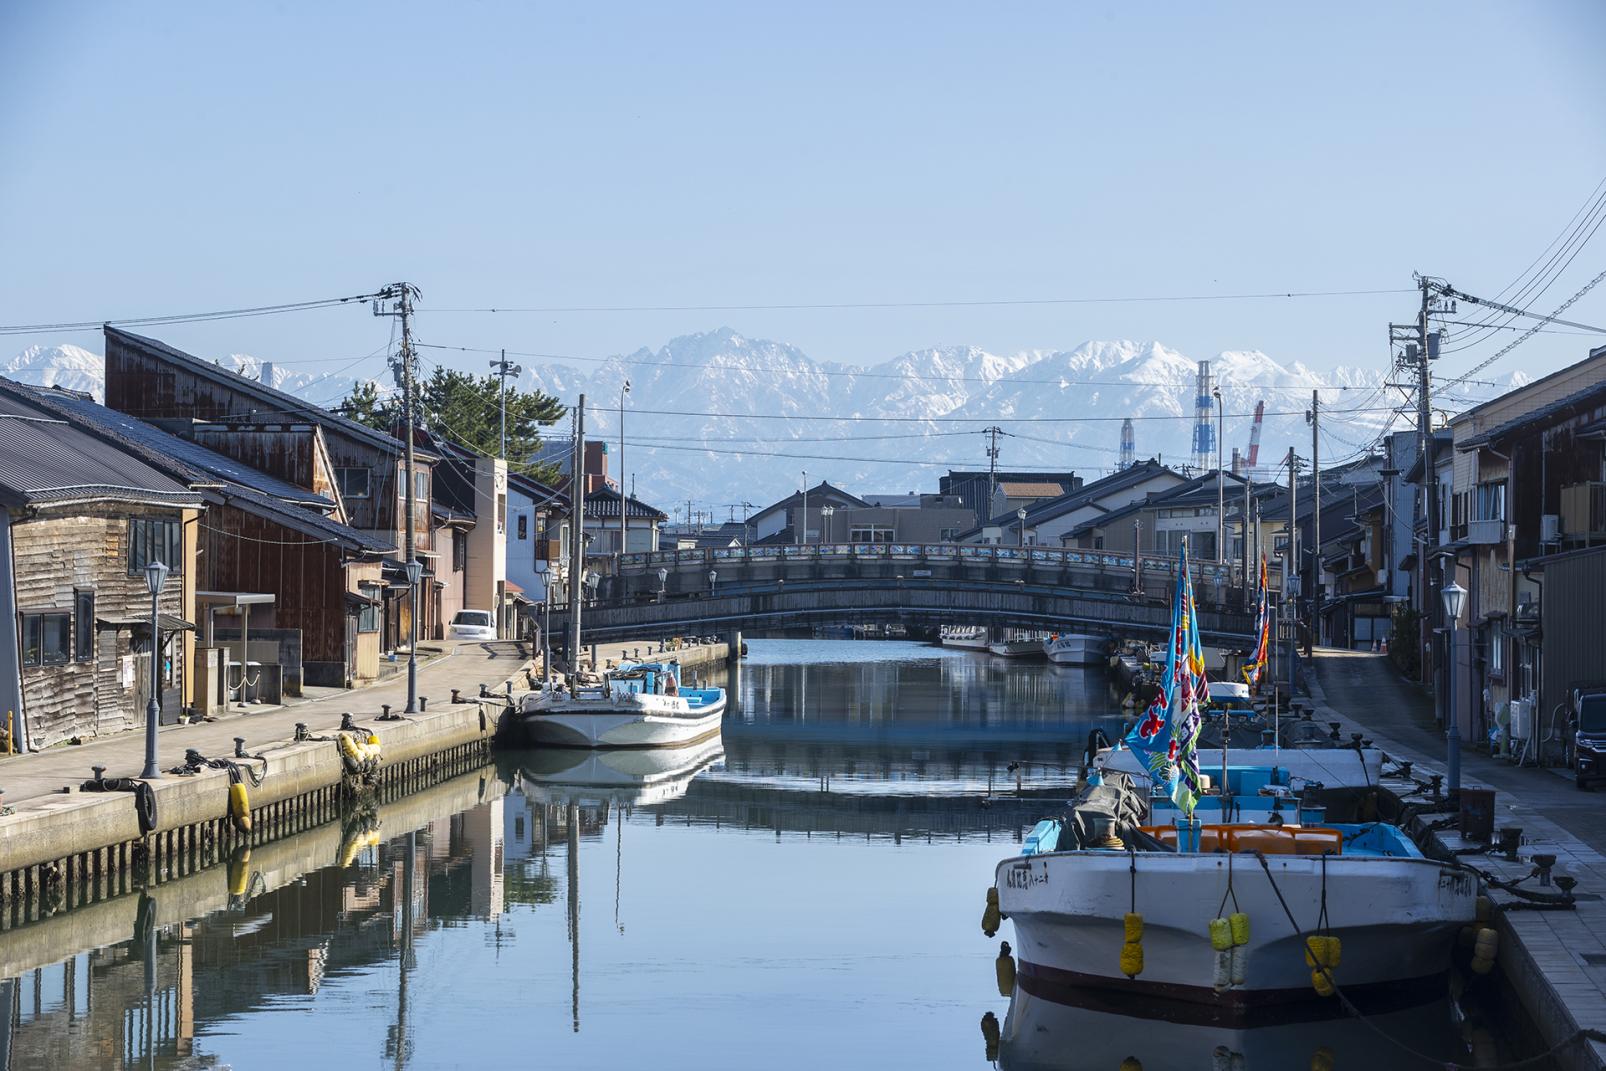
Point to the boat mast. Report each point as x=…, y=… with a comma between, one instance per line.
x=577, y=532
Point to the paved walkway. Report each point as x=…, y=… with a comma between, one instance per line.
x=463, y=665
x=1567, y=949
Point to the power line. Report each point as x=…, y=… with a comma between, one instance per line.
x=1010, y=302
x=971, y=420
x=183, y=317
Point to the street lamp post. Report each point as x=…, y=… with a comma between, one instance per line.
x=803, y=526
x=415, y=569
x=663, y=582
x=826, y=512
x=155, y=577
x=1020, y=515
x=1221, y=493
x=713, y=577
x=1454, y=597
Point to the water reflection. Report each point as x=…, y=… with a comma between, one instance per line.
x=804, y=893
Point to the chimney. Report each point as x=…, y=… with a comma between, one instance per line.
x=265, y=373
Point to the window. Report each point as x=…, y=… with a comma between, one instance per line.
x=870, y=534
x=154, y=540
x=1497, y=650
x=459, y=551
x=948, y=535
x=83, y=636
x=1491, y=501
x=523, y=526
x=46, y=639
x=353, y=482
x=368, y=616
x=421, y=485
x=1098, y=542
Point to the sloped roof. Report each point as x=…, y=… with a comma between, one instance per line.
x=278, y=402
x=44, y=458
x=604, y=502
x=822, y=493
x=143, y=445
x=1560, y=409
x=1088, y=493
x=1201, y=488
x=1031, y=489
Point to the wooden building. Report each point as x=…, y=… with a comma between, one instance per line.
x=360, y=468
x=282, y=583
x=79, y=523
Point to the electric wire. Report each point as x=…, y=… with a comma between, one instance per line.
x=187, y=317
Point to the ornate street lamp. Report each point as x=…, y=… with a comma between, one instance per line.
x=415, y=569
x=155, y=578
x=1454, y=597
x=1020, y=515
x=663, y=582
x=713, y=576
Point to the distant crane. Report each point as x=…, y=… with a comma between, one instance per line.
x=1254, y=438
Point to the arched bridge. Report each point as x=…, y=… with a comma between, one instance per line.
x=757, y=589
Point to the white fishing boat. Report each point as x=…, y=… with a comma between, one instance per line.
x=970, y=637
x=1016, y=644
x=1075, y=649
x=639, y=705
x=1394, y=913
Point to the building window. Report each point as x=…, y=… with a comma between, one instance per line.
x=353, y=483
x=46, y=639
x=1497, y=651
x=1491, y=503
x=421, y=485
x=459, y=551
x=523, y=521
x=870, y=534
x=83, y=637
x=368, y=616
x=154, y=540
x=1098, y=542
x=948, y=535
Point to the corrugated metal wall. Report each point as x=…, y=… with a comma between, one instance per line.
x=1573, y=609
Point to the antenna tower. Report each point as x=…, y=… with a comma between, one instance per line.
x=1204, y=430
x=1129, y=447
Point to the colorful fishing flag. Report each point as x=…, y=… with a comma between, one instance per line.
x=1257, y=663
x=1166, y=735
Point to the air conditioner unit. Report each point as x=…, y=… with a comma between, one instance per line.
x=1521, y=719
x=1550, y=528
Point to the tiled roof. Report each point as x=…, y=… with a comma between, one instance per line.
x=1031, y=490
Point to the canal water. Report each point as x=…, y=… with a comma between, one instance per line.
x=804, y=892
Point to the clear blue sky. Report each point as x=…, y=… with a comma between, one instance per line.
x=184, y=156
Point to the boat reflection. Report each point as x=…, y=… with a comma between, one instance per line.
x=625, y=776
x=1043, y=1035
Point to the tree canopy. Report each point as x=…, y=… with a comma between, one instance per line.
x=466, y=409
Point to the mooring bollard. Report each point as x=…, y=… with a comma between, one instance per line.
x=423, y=703
x=346, y=722
x=457, y=695
x=384, y=712
x=484, y=691
x=100, y=772
x=301, y=730
x=239, y=747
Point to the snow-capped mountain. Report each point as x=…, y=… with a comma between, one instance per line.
x=723, y=419
x=77, y=369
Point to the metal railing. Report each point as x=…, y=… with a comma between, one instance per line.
x=1225, y=573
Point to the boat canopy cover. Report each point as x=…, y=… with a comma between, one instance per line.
x=1119, y=799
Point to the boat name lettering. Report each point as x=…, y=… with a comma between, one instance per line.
x=1021, y=877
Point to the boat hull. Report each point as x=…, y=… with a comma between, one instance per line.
x=1396, y=917
x=1017, y=649
x=1075, y=650
x=609, y=724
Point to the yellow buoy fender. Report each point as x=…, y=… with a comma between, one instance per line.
x=1239, y=923
x=991, y=917
x=1131, y=1063
x=1132, y=959
x=989, y=1034
x=1005, y=968
x=240, y=807
x=240, y=873
x=1322, y=951
x=1220, y=935
x=1321, y=983
x=1322, y=1059
x=349, y=751
x=1133, y=924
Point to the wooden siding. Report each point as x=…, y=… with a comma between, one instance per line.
x=1574, y=644
x=55, y=553
x=243, y=552
x=146, y=386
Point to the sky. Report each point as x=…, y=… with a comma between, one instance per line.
x=192, y=156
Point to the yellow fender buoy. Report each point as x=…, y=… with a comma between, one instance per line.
x=989, y=1034
x=240, y=807
x=1132, y=948
x=1238, y=922
x=1484, y=949
x=991, y=916
x=1004, y=967
x=1131, y=1063
x=1322, y=1059
x=1220, y=934
x=240, y=873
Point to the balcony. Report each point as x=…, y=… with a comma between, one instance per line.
x=1583, y=511
x=1485, y=533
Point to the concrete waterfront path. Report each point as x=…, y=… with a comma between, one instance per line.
x=1555, y=960
x=464, y=665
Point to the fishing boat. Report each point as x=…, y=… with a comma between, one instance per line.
x=638, y=705
x=970, y=637
x=1017, y=644
x=1172, y=902
x=1075, y=649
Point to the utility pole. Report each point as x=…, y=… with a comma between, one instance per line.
x=624, y=500
x=402, y=296
x=1315, y=419
x=992, y=469
x=1421, y=346
x=577, y=537
x=1221, y=494
x=503, y=369
x=803, y=526
x=1249, y=583
x=1291, y=568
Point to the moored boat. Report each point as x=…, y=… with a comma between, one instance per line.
x=970, y=637
x=633, y=776
x=639, y=705
x=1016, y=644
x=1075, y=649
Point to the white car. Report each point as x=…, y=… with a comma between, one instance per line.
x=474, y=625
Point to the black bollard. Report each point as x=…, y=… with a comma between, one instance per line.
x=484, y=691
x=346, y=722
x=423, y=703
x=100, y=772
x=239, y=747
x=384, y=712
x=457, y=695
x=301, y=730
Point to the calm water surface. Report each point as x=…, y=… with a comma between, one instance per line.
x=803, y=893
